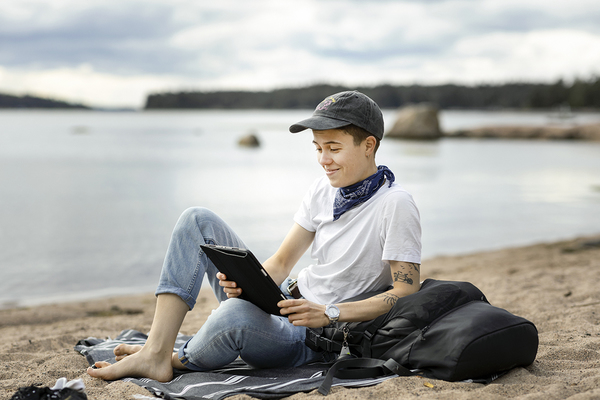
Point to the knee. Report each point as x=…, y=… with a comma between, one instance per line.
x=197, y=214
x=235, y=315
x=195, y=218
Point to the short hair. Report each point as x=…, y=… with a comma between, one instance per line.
x=359, y=135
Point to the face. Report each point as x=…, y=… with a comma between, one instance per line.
x=344, y=162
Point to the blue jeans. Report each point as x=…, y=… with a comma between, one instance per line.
x=236, y=327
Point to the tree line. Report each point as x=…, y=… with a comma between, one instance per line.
x=581, y=94
x=10, y=101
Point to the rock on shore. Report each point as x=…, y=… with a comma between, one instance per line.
x=416, y=122
x=421, y=122
x=581, y=132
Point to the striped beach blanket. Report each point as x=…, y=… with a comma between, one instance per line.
x=236, y=378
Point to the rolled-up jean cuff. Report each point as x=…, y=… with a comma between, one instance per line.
x=184, y=360
x=185, y=296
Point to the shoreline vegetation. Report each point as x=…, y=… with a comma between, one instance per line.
x=21, y=102
x=554, y=285
x=577, y=95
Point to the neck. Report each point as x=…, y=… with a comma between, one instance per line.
x=369, y=171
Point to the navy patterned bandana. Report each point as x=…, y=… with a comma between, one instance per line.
x=353, y=195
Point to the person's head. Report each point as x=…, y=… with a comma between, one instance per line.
x=347, y=128
x=349, y=109
x=359, y=135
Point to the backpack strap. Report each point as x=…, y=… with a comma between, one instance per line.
x=369, y=332
x=318, y=342
x=357, y=368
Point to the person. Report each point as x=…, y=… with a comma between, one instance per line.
x=366, y=239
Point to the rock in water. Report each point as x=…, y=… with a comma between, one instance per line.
x=416, y=122
x=249, y=140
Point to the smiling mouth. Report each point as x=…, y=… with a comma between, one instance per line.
x=331, y=171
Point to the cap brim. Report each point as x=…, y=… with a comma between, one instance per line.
x=318, y=123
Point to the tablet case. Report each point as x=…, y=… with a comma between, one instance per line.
x=242, y=267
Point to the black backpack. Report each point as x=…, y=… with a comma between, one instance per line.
x=447, y=330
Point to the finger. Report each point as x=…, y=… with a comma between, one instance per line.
x=228, y=284
x=290, y=303
x=230, y=292
x=286, y=310
x=298, y=321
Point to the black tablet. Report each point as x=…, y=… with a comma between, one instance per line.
x=242, y=267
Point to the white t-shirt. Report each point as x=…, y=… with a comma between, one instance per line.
x=353, y=253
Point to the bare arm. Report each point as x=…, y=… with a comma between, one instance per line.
x=281, y=263
x=406, y=278
x=296, y=242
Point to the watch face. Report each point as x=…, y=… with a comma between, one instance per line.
x=332, y=312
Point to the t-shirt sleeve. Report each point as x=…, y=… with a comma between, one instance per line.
x=401, y=229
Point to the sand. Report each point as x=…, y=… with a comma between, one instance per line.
x=555, y=285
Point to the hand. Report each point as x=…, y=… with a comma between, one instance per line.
x=229, y=287
x=302, y=312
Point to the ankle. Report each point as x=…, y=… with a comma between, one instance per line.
x=157, y=351
x=176, y=362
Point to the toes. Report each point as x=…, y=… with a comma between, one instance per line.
x=118, y=350
x=101, y=364
x=123, y=350
x=98, y=372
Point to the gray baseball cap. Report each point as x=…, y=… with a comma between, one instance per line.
x=342, y=109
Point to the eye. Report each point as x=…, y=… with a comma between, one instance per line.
x=334, y=150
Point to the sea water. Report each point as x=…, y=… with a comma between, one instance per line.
x=88, y=199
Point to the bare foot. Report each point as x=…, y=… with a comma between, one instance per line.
x=123, y=350
x=143, y=363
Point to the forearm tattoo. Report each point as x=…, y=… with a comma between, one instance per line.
x=389, y=298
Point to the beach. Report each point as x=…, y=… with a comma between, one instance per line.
x=554, y=285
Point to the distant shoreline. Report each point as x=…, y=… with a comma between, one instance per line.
x=516, y=95
x=28, y=102
x=578, y=95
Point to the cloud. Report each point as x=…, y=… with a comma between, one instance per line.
x=183, y=44
x=121, y=38
x=85, y=85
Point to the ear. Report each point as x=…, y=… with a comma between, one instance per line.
x=370, y=143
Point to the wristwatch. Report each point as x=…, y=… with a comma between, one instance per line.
x=332, y=312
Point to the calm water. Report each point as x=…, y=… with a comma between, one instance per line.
x=88, y=199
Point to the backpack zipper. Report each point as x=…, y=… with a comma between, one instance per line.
x=424, y=330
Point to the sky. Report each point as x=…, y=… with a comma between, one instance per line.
x=106, y=53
